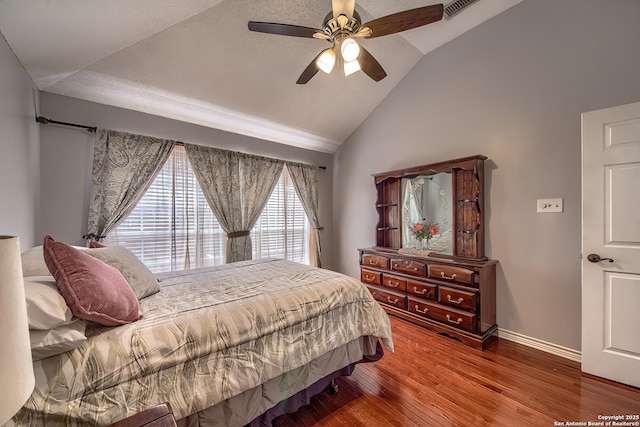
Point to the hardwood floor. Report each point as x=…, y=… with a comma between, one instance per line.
x=432, y=380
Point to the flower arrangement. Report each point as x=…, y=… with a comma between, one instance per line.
x=424, y=230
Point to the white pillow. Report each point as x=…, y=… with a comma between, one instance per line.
x=33, y=262
x=46, y=308
x=58, y=340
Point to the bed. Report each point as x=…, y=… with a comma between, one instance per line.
x=231, y=345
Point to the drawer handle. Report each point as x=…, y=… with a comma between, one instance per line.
x=390, y=282
x=421, y=311
x=373, y=293
x=377, y=262
x=458, y=301
x=415, y=268
x=444, y=276
x=369, y=278
x=392, y=301
x=418, y=291
x=457, y=322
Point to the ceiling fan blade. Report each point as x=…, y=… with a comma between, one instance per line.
x=343, y=7
x=282, y=29
x=308, y=73
x=406, y=20
x=370, y=66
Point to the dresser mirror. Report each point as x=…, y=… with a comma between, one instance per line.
x=427, y=199
x=449, y=194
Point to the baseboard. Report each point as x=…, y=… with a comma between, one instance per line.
x=556, y=349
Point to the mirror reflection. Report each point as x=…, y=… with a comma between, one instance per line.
x=426, y=199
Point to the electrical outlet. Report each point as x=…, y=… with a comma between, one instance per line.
x=550, y=205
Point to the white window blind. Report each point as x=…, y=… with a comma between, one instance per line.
x=282, y=231
x=173, y=228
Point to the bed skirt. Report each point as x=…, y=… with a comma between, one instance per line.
x=287, y=393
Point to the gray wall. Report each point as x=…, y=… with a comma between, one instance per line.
x=512, y=89
x=19, y=148
x=67, y=160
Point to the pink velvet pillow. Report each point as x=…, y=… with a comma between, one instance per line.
x=92, y=289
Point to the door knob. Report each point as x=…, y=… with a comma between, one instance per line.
x=596, y=258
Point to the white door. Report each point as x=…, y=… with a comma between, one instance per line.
x=611, y=229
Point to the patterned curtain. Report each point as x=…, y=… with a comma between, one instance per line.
x=124, y=166
x=305, y=181
x=237, y=187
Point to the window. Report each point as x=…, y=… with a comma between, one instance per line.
x=282, y=231
x=173, y=228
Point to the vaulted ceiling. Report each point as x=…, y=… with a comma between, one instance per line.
x=196, y=61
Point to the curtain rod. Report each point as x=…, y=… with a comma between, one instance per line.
x=45, y=121
x=92, y=129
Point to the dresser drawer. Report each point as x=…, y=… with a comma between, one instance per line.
x=448, y=316
x=457, y=298
x=419, y=307
x=376, y=261
x=408, y=266
x=421, y=289
x=388, y=298
x=457, y=318
x=451, y=274
x=397, y=283
x=372, y=277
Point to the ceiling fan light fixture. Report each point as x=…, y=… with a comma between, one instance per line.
x=349, y=50
x=326, y=60
x=351, y=67
x=342, y=25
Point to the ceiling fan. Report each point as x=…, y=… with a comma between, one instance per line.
x=341, y=27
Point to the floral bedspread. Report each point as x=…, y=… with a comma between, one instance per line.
x=208, y=335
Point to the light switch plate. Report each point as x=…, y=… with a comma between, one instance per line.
x=550, y=205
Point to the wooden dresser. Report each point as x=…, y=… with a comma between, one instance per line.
x=452, y=297
x=453, y=291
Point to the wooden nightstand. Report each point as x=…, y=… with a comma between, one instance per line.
x=157, y=416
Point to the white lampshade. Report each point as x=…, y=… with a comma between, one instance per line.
x=16, y=368
x=326, y=60
x=351, y=67
x=350, y=50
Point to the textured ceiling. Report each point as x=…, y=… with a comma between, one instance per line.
x=196, y=61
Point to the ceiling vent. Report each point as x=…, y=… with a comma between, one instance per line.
x=456, y=6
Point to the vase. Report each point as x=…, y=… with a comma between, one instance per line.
x=423, y=244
